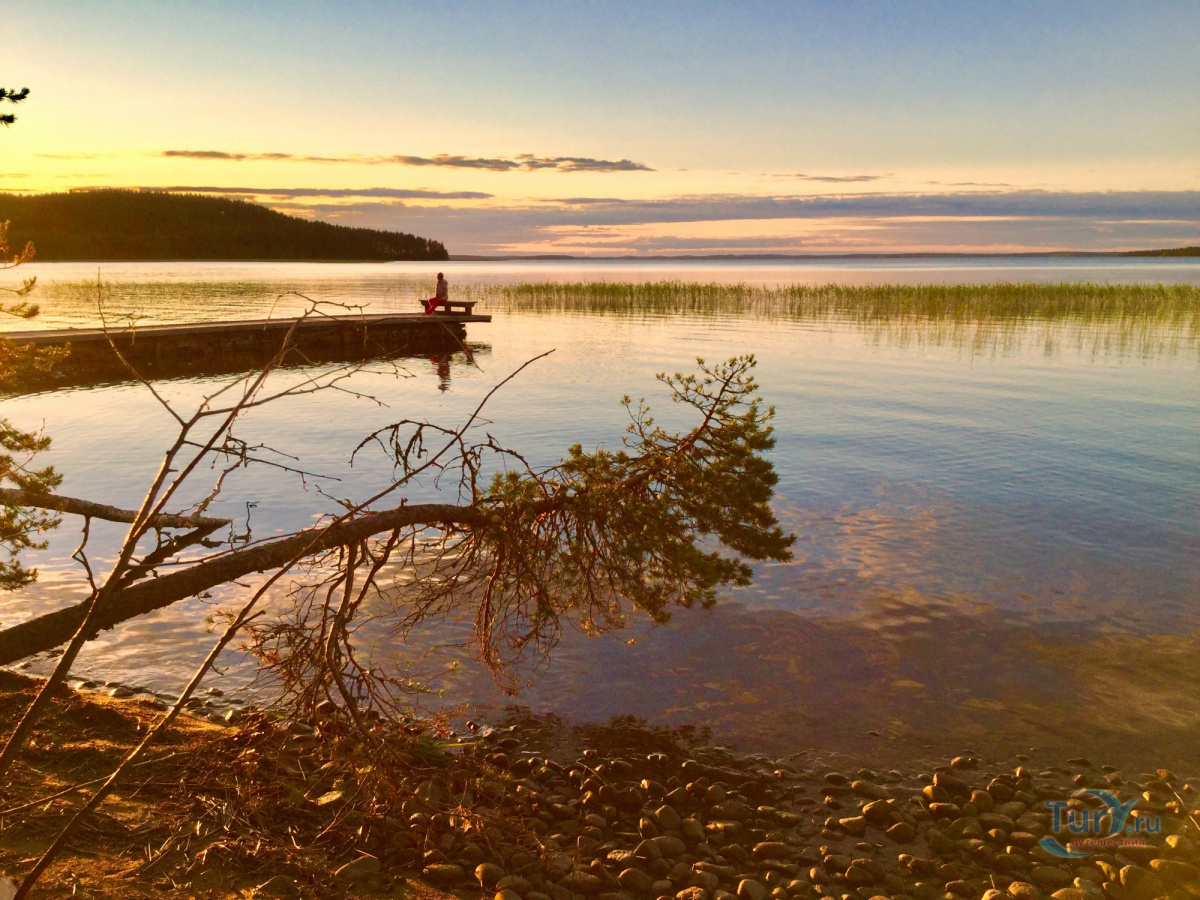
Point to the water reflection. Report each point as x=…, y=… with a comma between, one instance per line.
x=997, y=549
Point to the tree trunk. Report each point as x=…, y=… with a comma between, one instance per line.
x=48, y=631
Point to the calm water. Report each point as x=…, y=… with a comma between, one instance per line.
x=999, y=532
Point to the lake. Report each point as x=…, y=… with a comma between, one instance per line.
x=999, y=523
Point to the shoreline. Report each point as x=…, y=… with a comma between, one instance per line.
x=536, y=809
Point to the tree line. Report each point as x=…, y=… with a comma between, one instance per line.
x=106, y=225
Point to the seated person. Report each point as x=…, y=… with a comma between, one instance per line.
x=441, y=295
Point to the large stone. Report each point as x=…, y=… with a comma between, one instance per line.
x=773, y=850
x=858, y=876
x=854, y=825
x=668, y=818
x=488, y=874
x=1023, y=890
x=870, y=790
x=1141, y=883
x=902, y=832
x=669, y=846
x=1174, y=872
x=635, y=881
x=749, y=889
x=878, y=813
x=953, y=785
x=706, y=880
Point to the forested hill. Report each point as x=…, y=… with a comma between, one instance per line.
x=148, y=225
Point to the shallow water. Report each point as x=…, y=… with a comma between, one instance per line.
x=998, y=540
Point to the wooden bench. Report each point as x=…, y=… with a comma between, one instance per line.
x=454, y=308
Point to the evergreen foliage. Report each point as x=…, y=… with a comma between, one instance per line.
x=106, y=225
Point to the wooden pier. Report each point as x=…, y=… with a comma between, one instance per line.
x=166, y=351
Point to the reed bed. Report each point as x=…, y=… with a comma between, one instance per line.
x=1174, y=305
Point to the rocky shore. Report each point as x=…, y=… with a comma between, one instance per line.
x=539, y=810
x=707, y=825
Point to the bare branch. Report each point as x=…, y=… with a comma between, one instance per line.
x=103, y=511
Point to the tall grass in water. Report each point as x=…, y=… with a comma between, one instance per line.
x=1095, y=319
x=1161, y=304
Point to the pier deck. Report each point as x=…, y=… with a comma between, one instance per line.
x=201, y=347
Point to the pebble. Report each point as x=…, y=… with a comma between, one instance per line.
x=749, y=889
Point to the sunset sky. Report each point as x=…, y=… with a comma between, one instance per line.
x=633, y=128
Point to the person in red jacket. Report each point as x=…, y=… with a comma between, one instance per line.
x=440, y=296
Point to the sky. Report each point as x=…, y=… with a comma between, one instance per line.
x=611, y=128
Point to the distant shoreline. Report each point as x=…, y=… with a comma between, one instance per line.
x=1173, y=253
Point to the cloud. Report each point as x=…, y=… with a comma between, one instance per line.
x=525, y=162
x=376, y=192
x=982, y=221
x=835, y=179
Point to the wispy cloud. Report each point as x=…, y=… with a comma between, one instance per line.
x=846, y=223
x=333, y=193
x=833, y=179
x=525, y=162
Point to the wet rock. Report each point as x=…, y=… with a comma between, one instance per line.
x=1023, y=890
x=506, y=894
x=960, y=888
x=662, y=888
x=444, y=874
x=692, y=893
x=1071, y=893
x=964, y=762
x=902, y=832
x=749, y=889
x=994, y=894
x=361, y=870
